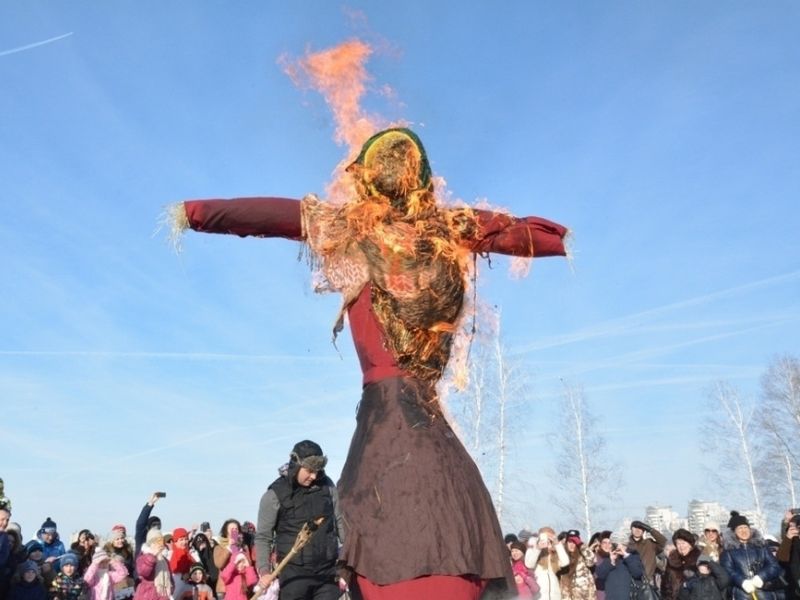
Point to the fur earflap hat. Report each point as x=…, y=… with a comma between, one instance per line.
x=736, y=520
x=308, y=454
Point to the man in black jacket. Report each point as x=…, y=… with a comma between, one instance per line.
x=301, y=494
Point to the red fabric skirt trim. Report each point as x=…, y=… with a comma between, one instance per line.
x=430, y=587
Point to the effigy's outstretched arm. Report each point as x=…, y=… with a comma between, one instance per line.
x=517, y=236
x=263, y=217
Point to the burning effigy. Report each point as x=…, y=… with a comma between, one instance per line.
x=420, y=521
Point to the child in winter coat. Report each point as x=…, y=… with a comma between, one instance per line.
x=198, y=588
x=102, y=575
x=239, y=577
x=710, y=582
x=526, y=582
x=35, y=552
x=67, y=585
x=29, y=586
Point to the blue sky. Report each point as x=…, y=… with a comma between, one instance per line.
x=665, y=135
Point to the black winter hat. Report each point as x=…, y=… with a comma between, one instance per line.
x=49, y=525
x=153, y=522
x=639, y=525
x=736, y=520
x=685, y=535
x=510, y=538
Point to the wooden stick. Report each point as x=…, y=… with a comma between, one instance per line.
x=305, y=535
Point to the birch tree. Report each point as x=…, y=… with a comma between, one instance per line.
x=730, y=437
x=779, y=418
x=587, y=478
x=491, y=409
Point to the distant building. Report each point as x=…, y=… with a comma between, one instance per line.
x=699, y=513
x=663, y=518
x=757, y=520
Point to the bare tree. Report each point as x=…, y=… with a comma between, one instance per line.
x=729, y=437
x=586, y=477
x=779, y=418
x=492, y=406
x=505, y=386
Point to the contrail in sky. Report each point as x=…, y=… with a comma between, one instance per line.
x=35, y=44
x=617, y=326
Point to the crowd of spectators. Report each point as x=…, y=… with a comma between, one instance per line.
x=734, y=562
x=731, y=563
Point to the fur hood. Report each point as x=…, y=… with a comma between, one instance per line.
x=731, y=542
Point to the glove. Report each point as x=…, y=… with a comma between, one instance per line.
x=757, y=582
x=747, y=586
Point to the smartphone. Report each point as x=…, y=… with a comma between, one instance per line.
x=161, y=494
x=795, y=511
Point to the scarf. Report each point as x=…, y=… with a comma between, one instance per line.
x=163, y=578
x=103, y=584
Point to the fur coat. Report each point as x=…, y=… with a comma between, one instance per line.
x=679, y=569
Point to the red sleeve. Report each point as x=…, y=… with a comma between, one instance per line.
x=267, y=217
x=525, y=236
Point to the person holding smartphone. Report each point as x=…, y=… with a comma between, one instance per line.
x=615, y=574
x=789, y=550
x=146, y=522
x=546, y=558
x=226, y=550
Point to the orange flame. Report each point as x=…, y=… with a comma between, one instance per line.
x=340, y=76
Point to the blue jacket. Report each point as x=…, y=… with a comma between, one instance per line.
x=52, y=550
x=746, y=560
x=617, y=578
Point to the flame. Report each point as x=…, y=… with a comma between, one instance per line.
x=339, y=74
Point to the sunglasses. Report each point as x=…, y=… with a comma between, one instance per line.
x=710, y=530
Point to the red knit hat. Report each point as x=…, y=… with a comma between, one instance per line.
x=178, y=533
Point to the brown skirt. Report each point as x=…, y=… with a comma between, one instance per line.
x=413, y=500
